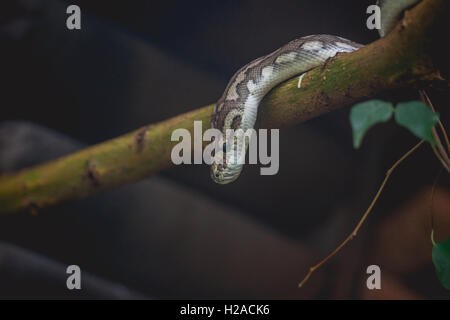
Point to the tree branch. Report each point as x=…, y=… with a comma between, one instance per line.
x=400, y=60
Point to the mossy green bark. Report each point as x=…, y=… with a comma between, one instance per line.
x=125, y=159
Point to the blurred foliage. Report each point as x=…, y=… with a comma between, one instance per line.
x=441, y=260
x=365, y=115
x=419, y=119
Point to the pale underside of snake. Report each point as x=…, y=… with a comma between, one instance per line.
x=238, y=106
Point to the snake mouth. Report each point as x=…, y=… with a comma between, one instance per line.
x=226, y=175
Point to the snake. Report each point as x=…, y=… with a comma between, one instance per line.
x=238, y=106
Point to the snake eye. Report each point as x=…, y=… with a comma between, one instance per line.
x=224, y=147
x=217, y=175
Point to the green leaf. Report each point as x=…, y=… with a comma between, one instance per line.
x=441, y=260
x=365, y=115
x=418, y=118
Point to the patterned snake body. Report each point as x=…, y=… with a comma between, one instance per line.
x=238, y=106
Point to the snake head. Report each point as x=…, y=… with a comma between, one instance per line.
x=225, y=168
x=224, y=175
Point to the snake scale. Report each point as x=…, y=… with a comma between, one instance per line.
x=238, y=106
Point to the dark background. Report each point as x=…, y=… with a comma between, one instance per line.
x=177, y=234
